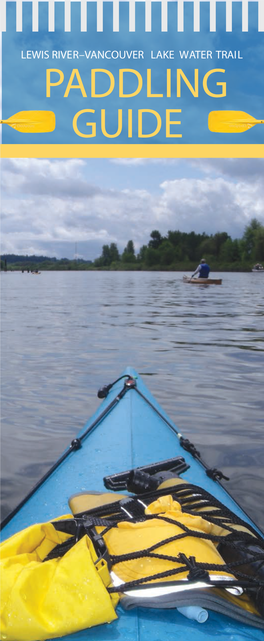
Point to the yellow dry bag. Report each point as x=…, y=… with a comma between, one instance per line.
x=58, y=597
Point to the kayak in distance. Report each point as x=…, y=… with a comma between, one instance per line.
x=131, y=535
x=202, y=281
x=258, y=268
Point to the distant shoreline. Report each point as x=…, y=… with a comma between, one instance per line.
x=236, y=269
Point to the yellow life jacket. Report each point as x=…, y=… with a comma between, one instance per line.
x=158, y=535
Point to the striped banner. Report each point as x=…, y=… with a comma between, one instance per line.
x=212, y=8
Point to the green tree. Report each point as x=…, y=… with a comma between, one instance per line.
x=141, y=257
x=114, y=253
x=258, y=251
x=219, y=239
x=249, y=236
x=151, y=257
x=156, y=239
x=128, y=255
x=166, y=253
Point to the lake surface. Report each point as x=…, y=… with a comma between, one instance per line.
x=200, y=350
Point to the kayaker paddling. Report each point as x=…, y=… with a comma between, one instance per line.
x=203, y=270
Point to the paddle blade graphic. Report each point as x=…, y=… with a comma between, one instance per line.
x=231, y=121
x=35, y=122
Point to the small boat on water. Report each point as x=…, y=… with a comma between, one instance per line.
x=258, y=268
x=202, y=281
x=164, y=553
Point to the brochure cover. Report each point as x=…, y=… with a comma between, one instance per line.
x=132, y=207
x=132, y=79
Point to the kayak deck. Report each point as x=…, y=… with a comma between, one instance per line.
x=131, y=434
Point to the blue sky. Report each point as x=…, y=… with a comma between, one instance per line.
x=50, y=205
x=24, y=80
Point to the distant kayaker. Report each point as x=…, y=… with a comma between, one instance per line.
x=203, y=269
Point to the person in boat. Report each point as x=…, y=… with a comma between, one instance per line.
x=258, y=266
x=202, y=270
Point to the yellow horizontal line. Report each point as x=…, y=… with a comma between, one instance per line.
x=132, y=151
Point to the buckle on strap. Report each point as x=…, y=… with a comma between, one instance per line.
x=98, y=543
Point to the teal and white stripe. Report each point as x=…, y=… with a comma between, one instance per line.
x=212, y=7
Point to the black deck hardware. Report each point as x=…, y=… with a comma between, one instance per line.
x=123, y=480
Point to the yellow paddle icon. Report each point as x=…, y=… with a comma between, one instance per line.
x=32, y=122
x=231, y=122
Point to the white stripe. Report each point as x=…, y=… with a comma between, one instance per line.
x=228, y=15
x=19, y=15
x=260, y=15
x=213, y=15
x=3, y=15
x=115, y=15
x=148, y=22
x=164, y=15
x=99, y=15
x=132, y=15
x=51, y=24
x=244, y=15
x=67, y=15
x=147, y=15
x=35, y=15
x=196, y=15
x=180, y=17
x=83, y=15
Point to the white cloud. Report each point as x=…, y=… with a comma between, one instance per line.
x=48, y=205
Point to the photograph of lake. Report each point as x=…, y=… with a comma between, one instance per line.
x=199, y=349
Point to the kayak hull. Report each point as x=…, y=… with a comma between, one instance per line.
x=203, y=281
x=134, y=433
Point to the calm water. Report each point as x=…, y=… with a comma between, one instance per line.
x=199, y=349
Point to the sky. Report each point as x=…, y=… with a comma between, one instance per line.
x=66, y=207
x=236, y=83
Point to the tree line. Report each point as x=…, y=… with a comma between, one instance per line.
x=175, y=251
x=181, y=250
